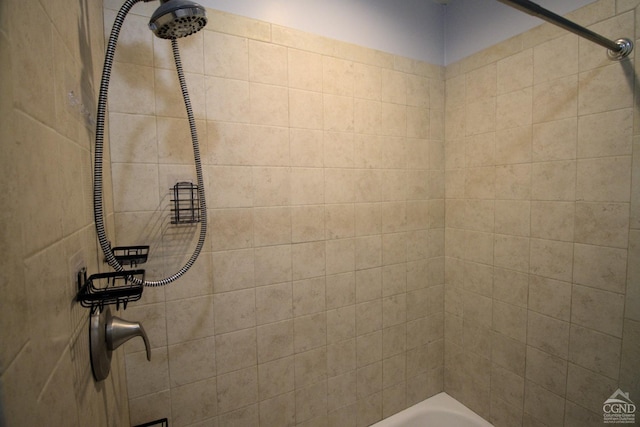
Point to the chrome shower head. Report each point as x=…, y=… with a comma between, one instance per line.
x=177, y=18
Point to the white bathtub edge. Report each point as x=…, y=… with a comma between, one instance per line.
x=441, y=402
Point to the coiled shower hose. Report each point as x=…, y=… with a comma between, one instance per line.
x=99, y=148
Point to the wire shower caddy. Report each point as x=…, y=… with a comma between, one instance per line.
x=186, y=204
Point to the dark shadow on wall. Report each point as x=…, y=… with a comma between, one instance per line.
x=632, y=77
x=84, y=103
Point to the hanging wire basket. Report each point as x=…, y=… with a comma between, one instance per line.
x=131, y=255
x=186, y=204
x=114, y=288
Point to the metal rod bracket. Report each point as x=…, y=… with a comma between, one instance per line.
x=617, y=50
x=626, y=47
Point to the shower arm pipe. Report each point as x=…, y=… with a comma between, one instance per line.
x=617, y=50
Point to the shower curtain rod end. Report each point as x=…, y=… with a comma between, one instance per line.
x=625, y=48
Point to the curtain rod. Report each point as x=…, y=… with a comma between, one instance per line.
x=618, y=49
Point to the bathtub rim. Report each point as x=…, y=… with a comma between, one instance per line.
x=442, y=401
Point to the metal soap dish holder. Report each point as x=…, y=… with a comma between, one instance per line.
x=163, y=422
x=186, y=204
x=115, y=288
x=131, y=255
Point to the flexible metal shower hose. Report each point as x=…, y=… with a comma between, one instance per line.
x=99, y=148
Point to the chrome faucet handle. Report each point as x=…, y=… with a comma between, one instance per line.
x=106, y=333
x=118, y=331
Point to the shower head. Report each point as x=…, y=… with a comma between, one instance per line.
x=177, y=18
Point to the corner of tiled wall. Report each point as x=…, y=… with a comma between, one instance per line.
x=541, y=288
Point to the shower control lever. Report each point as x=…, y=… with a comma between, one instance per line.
x=120, y=331
x=107, y=333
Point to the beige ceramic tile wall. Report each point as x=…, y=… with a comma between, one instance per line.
x=50, y=60
x=319, y=298
x=542, y=282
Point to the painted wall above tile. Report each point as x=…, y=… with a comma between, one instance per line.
x=425, y=30
x=415, y=29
